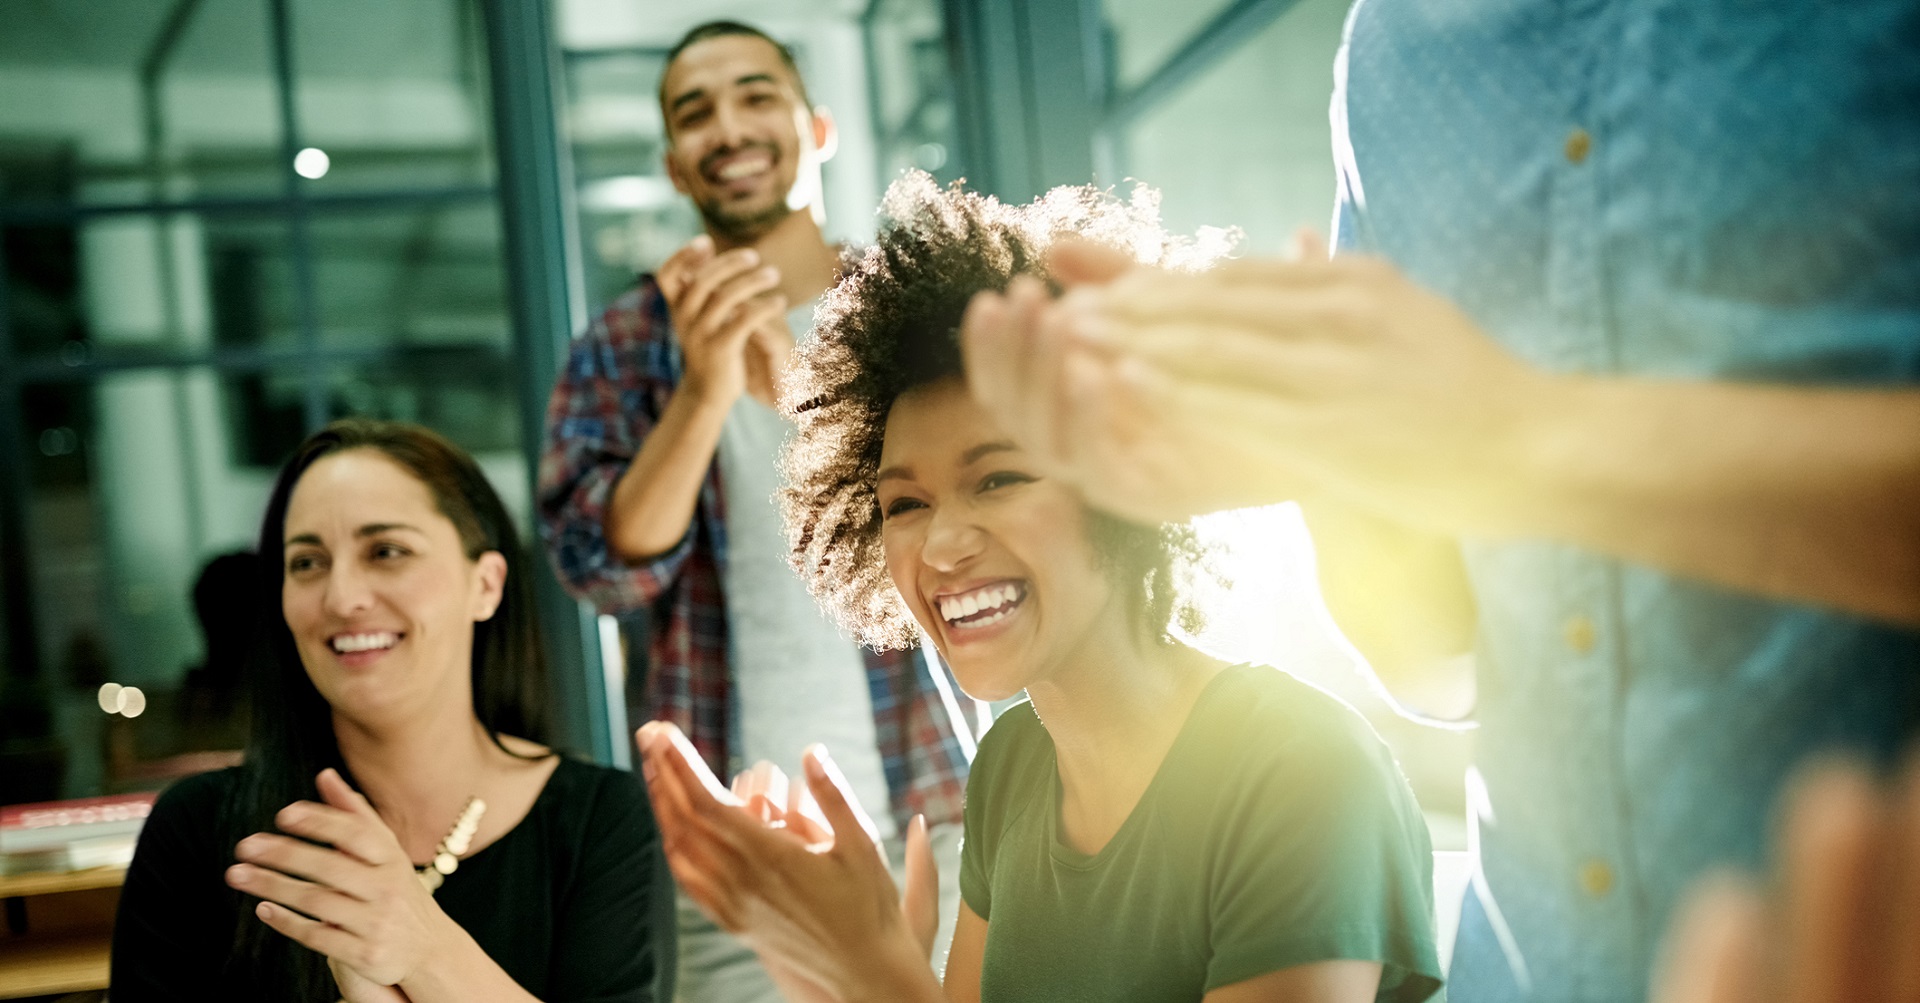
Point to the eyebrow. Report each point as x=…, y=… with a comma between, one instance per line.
x=985, y=449
x=370, y=529
x=699, y=92
x=967, y=459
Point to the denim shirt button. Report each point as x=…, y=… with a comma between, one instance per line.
x=1579, y=634
x=1579, y=144
x=1596, y=878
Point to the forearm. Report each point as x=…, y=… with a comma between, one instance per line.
x=1801, y=494
x=653, y=502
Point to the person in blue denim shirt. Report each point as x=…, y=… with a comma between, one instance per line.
x=1611, y=383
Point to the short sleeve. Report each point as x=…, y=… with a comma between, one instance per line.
x=1012, y=754
x=613, y=930
x=1326, y=857
x=601, y=410
x=174, y=929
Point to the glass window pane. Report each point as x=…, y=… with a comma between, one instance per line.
x=911, y=89
x=118, y=102
x=1143, y=33
x=1261, y=117
x=468, y=395
x=424, y=275
x=120, y=286
x=393, y=94
x=134, y=487
x=631, y=218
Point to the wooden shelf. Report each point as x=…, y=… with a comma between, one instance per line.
x=37, y=966
x=50, y=882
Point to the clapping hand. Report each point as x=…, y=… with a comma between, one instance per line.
x=730, y=319
x=818, y=906
x=354, y=897
x=1163, y=395
x=1840, y=922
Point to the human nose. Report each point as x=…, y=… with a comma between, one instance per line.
x=729, y=124
x=347, y=591
x=952, y=540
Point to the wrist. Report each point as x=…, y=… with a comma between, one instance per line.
x=896, y=973
x=703, y=398
x=1547, y=472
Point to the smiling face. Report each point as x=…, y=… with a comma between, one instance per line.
x=993, y=559
x=378, y=591
x=742, y=143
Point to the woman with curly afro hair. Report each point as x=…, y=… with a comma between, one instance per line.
x=1152, y=824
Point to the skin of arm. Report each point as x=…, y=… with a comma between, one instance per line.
x=1320, y=982
x=717, y=302
x=969, y=952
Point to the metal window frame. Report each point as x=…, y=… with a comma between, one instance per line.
x=544, y=303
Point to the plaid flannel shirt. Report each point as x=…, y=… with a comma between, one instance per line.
x=617, y=381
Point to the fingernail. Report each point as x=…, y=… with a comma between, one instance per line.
x=263, y=910
x=816, y=759
x=703, y=242
x=238, y=874
x=750, y=256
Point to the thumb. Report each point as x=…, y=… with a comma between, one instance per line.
x=335, y=791
x=920, y=902
x=1077, y=261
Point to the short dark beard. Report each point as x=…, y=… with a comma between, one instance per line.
x=742, y=228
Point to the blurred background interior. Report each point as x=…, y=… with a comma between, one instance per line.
x=225, y=222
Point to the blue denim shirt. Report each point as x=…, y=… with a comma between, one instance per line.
x=1712, y=189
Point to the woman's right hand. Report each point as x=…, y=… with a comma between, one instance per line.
x=827, y=911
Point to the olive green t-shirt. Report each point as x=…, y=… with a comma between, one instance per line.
x=1277, y=832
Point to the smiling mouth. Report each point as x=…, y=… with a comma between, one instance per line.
x=353, y=644
x=983, y=606
x=740, y=165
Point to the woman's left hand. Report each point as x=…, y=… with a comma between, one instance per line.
x=355, y=899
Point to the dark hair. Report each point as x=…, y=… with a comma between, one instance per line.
x=292, y=731
x=722, y=29
x=890, y=325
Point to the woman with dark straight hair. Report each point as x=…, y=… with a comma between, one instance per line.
x=398, y=830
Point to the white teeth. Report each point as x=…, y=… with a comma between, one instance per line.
x=959, y=607
x=740, y=169
x=347, y=644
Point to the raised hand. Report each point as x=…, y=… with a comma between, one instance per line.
x=825, y=912
x=1838, y=923
x=355, y=899
x=729, y=318
x=1164, y=394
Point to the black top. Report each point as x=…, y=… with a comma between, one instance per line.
x=565, y=902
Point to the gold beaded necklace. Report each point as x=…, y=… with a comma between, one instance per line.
x=446, y=856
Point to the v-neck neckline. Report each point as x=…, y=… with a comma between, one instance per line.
x=1063, y=853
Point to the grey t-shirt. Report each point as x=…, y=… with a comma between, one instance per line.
x=797, y=678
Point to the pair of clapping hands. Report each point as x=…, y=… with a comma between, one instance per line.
x=798, y=875
x=336, y=880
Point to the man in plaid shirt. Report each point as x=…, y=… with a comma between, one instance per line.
x=658, y=474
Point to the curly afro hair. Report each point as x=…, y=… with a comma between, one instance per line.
x=891, y=324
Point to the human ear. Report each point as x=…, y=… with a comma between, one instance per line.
x=490, y=570
x=826, y=135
